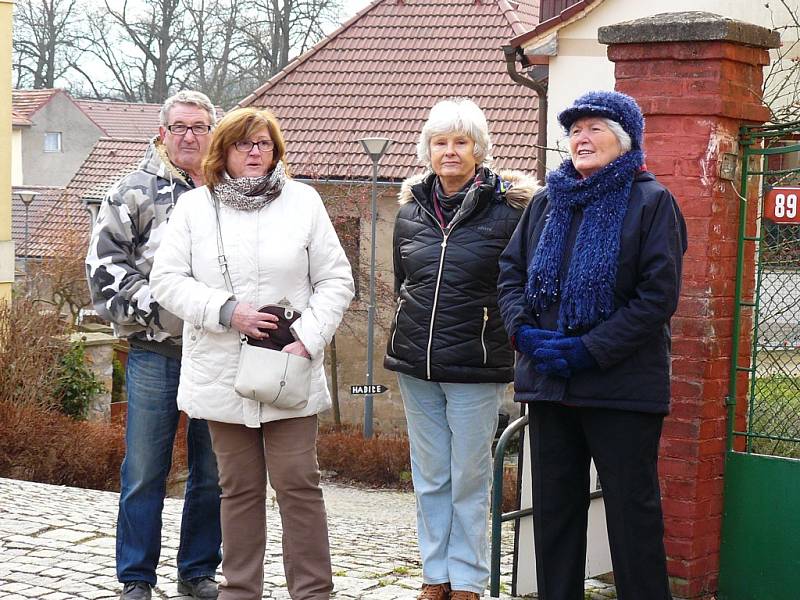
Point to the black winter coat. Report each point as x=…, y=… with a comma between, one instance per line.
x=447, y=326
x=632, y=347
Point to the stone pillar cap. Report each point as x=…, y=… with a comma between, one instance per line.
x=688, y=27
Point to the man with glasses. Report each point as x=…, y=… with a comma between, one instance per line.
x=129, y=227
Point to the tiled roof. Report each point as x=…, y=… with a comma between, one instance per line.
x=45, y=198
x=379, y=74
x=528, y=12
x=109, y=160
x=123, y=119
x=19, y=120
x=27, y=102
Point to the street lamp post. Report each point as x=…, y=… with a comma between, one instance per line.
x=27, y=197
x=375, y=148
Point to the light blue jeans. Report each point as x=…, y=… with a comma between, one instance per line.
x=152, y=385
x=450, y=429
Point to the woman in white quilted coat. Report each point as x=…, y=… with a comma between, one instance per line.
x=280, y=247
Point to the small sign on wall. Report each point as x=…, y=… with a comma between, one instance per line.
x=368, y=389
x=781, y=205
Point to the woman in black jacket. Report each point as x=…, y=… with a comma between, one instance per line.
x=447, y=343
x=588, y=285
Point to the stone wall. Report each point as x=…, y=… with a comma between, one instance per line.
x=99, y=358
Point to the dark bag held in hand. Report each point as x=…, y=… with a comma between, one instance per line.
x=282, y=336
x=266, y=374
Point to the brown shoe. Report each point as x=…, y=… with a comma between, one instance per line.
x=464, y=595
x=436, y=591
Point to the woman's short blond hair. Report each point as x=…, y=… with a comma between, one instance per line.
x=240, y=124
x=456, y=115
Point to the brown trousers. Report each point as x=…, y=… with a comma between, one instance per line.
x=287, y=451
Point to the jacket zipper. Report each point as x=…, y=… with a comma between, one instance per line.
x=483, y=331
x=445, y=235
x=396, y=317
x=435, y=302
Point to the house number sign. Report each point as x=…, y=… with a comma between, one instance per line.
x=782, y=205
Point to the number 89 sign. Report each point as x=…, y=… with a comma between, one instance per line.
x=781, y=205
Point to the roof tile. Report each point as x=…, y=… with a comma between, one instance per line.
x=27, y=102
x=40, y=206
x=123, y=119
x=108, y=161
x=18, y=119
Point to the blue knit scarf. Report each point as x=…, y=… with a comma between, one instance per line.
x=587, y=295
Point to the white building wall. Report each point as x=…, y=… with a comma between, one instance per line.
x=581, y=64
x=16, y=157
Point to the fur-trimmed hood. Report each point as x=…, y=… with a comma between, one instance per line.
x=523, y=187
x=157, y=162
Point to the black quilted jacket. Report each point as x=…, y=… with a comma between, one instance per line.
x=447, y=326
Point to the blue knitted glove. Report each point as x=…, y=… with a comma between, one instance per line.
x=529, y=339
x=563, y=357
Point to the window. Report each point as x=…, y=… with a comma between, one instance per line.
x=52, y=141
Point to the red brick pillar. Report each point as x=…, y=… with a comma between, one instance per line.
x=698, y=78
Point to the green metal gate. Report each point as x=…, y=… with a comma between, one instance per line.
x=760, y=555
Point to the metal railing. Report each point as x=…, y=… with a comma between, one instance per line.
x=498, y=517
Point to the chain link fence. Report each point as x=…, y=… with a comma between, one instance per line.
x=774, y=392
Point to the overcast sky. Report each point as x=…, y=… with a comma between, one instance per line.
x=351, y=7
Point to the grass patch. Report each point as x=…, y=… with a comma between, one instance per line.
x=775, y=409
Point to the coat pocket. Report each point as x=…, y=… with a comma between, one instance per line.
x=484, y=322
x=210, y=355
x=396, y=319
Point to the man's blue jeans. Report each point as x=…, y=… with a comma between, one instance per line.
x=450, y=430
x=152, y=385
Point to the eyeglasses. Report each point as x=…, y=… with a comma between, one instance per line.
x=182, y=129
x=247, y=145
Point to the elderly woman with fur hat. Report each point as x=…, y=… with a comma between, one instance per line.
x=447, y=342
x=588, y=285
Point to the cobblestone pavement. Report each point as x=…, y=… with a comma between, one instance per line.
x=57, y=543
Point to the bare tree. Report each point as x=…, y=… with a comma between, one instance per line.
x=144, y=50
x=140, y=44
x=236, y=45
x=60, y=281
x=217, y=50
x=43, y=41
x=284, y=28
x=782, y=77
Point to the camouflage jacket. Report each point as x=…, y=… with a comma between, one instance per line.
x=130, y=224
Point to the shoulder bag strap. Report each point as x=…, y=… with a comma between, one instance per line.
x=221, y=260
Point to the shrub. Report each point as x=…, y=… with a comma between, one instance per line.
x=381, y=461
x=76, y=384
x=510, y=490
x=39, y=366
x=45, y=446
x=32, y=344
x=37, y=369
x=117, y=380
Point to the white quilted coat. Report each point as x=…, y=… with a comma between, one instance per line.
x=288, y=249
